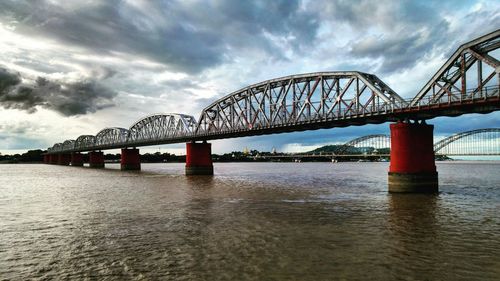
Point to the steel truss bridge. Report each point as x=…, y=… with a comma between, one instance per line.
x=467, y=83
x=481, y=142
x=476, y=142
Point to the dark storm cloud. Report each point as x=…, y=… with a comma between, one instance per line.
x=185, y=36
x=8, y=80
x=66, y=98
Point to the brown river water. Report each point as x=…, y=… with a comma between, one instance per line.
x=251, y=221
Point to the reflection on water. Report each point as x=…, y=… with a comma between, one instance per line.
x=413, y=222
x=252, y=221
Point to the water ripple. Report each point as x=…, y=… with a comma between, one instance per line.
x=251, y=221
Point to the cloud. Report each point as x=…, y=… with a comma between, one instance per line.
x=21, y=142
x=187, y=36
x=400, y=34
x=399, y=52
x=22, y=135
x=8, y=80
x=68, y=99
x=180, y=56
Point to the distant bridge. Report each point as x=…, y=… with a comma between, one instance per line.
x=467, y=83
x=481, y=142
x=476, y=142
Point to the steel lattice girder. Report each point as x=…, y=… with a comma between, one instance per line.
x=301, y=98
x=84, y=141
x=57, y=147
x=443, y=83
x=161, y=126
x=111, y=136
x=68, y=145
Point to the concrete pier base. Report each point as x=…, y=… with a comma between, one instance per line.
x=413, y=182
x=412, y=168
x=130, y=159
x=199, y=159
x=200, y=170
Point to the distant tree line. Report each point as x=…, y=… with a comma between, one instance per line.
x=342, y=149
x=156, y=157
x=32, y=156
x=36, y=156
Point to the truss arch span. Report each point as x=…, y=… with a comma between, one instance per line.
x=366, y=144
x=68, y=145
x=84, y=142
x=475, y=142
x=313, y=99
x=161, y=126
x=57, y=147
x=111, y=136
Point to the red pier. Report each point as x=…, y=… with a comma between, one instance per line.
x=412, y=167
x=130, y=159
x=63, y=159
x=96, y=159
x=76, y=159
x=199, y=159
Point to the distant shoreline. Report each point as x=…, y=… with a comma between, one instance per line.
x=174, y=162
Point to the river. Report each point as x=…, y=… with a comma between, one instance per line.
x=251, y=221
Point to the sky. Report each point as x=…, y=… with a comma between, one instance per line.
x=69, y=68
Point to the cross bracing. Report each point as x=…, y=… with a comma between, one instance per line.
x=84, y=141
x=109, y=136
x=161, y=126
x=297, y=100
x=467, y=74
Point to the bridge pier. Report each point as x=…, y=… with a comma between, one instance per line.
x=96, y=159
x=63, y=159
x=76, y=159
x=53, y=158
x=130, y=159
x=412, y=168
x=199, y=158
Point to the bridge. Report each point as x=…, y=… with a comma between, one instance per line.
x=479, y=142
x=467, y=83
